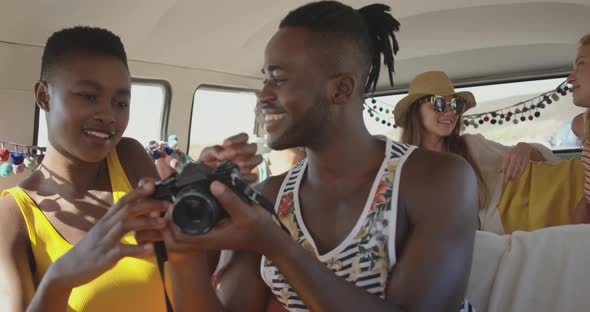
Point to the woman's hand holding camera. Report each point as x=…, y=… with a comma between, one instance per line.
x=101, y=248
x=243, y=154
x=237, y=232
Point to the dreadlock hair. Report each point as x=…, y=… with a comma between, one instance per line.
x=455, y=143
x=80, y=39
x=369, y=31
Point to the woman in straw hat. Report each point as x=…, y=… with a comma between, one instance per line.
x=430, y=115
x=580, y=81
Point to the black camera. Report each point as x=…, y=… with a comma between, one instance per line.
x=195, y=209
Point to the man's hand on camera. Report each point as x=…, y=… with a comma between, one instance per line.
x=235, y=149
x=249, y=228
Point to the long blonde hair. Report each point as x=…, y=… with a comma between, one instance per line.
x=412, y=134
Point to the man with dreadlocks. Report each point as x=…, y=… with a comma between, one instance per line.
x=373, y=225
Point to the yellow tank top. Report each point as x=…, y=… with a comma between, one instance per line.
x=132, y=285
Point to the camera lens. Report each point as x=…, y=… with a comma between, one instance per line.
x=195, y=213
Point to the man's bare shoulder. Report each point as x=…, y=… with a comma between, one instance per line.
x=270, y=187
x=434, y=165
x=135, y=160
x=433, y=181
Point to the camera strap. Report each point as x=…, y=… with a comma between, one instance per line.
x=162, y=257
x=268, y=206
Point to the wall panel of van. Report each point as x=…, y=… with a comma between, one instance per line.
x=19, y=69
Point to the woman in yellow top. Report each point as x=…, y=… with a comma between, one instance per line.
x=66, y=242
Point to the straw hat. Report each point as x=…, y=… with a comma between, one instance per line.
x=425, y=84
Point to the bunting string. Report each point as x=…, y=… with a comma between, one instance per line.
x=522, y=111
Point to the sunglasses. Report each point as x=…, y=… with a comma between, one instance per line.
x=440, y=104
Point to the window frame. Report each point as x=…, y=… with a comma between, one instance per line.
x=165, y=84
x=216, y=87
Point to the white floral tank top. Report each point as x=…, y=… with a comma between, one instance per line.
x=366, y=257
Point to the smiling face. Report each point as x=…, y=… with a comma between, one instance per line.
x=86, y=99
x=435, y=123
x=293, y=100
x=580, y=77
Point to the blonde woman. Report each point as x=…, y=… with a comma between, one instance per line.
x=430, y=116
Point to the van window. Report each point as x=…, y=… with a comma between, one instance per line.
x=552, y=128
x=147, y=117
x=218, y=113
